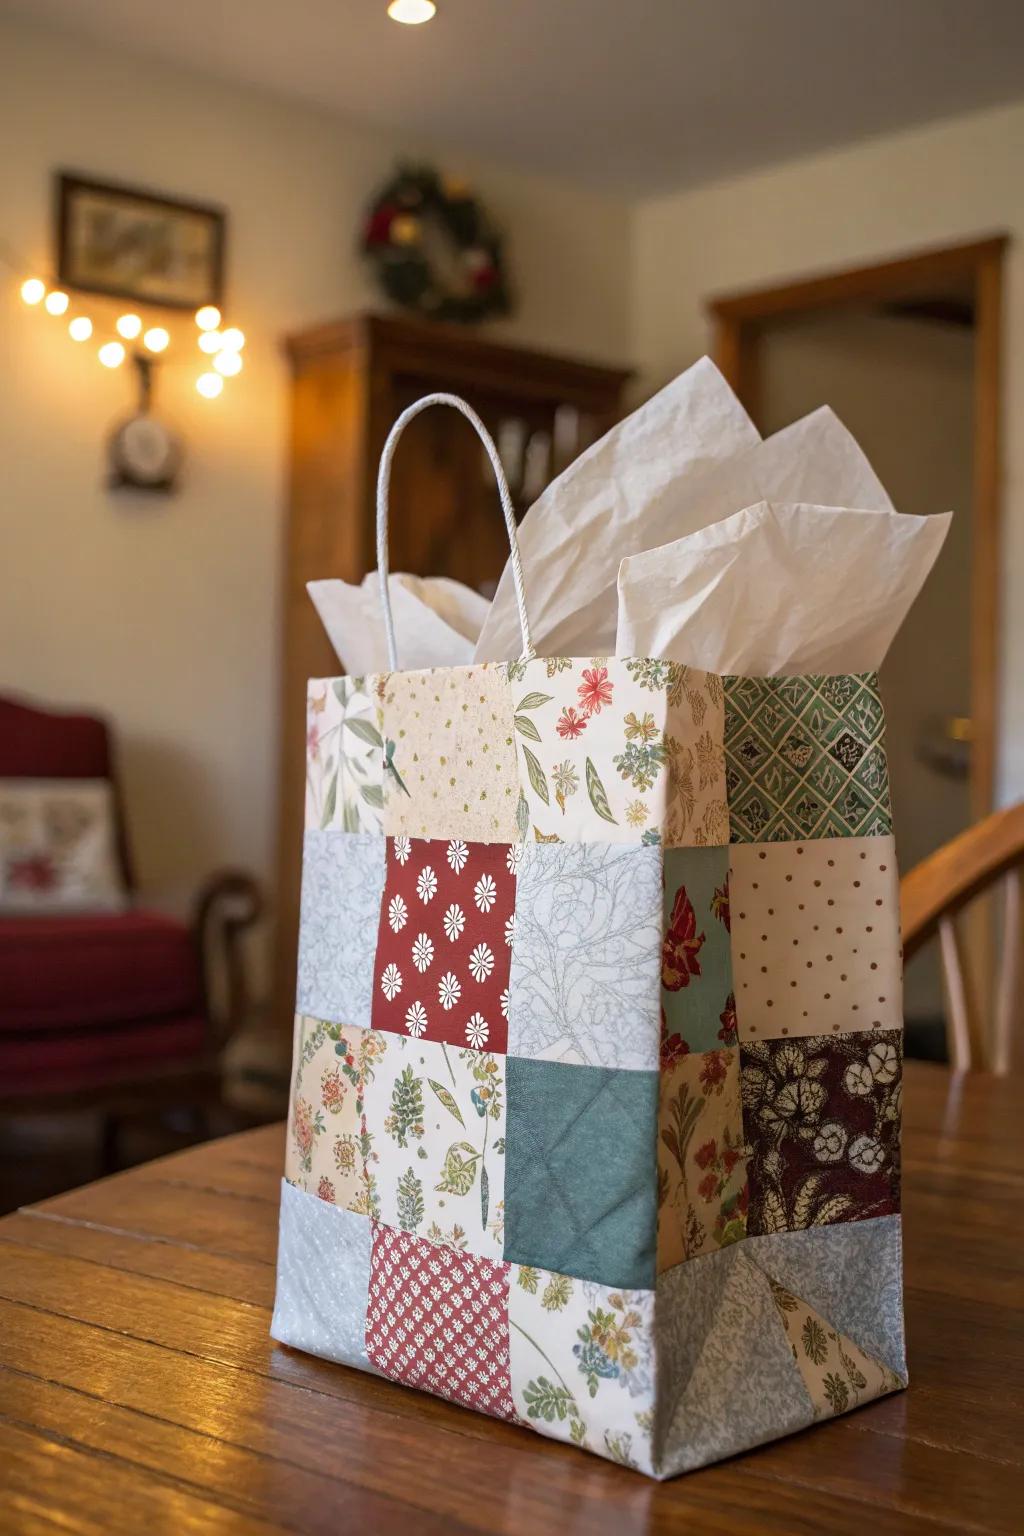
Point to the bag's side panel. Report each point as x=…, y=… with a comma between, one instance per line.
x=806, y=1112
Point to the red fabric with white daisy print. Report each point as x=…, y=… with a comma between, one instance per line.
x=444, y=942
x=438, y=1320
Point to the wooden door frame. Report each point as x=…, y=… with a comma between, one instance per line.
x=738, y=320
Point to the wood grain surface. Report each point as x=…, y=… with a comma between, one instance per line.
x=140, y=1390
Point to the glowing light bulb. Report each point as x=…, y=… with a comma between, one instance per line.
x=210, y=341
x=232, y=340
x=111, y=354
x=208, y=318
x=129, y=327
x=228, y=363
x=209, y=385
x=156, y=339
x=33, y=290
x=411, y=13
x=80, y=328
x=56, y=302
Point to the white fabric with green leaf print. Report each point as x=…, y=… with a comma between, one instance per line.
x=435, y=1124
x=344, y=761
x=619, y=750
x=582, y=1358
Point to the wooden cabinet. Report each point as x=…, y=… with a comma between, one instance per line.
x=350, y=381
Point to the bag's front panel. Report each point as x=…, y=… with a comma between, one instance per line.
x=615, y=1037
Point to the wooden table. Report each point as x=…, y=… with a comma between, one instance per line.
x=140, y=1392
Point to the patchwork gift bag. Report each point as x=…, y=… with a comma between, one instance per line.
x=595, y=1112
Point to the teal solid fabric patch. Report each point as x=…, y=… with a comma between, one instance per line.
x=580, y=1196
x=699, y=1009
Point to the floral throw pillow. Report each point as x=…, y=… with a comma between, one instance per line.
x=57, y=850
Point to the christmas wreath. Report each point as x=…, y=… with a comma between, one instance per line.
x=434, y=248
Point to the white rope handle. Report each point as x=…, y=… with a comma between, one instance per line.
x=384, y=481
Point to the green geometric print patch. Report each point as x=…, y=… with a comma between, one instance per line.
x=805, y=757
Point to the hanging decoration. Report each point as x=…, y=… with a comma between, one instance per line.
x=143, y=453
x=434, y=248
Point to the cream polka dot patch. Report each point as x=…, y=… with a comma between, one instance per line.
x=449, y=757
x=815, y=936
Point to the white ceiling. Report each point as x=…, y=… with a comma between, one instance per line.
x=631, y=96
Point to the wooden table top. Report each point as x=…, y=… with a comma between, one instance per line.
x=140, y=1391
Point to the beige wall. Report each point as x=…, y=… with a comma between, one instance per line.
x=957, y=181
x=164, y=613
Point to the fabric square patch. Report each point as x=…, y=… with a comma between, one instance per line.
x=449, y=766
x=324, y=1151
x=445, y=939
x=805, y=757
x=815, y=932
x=613, y=750
x=699, y=1011
x=323, y=1278
x=837, y=1374
x=434, y=1142
x=342, y=881
x=582, y=1361
x=822, y=1121
x=438, y=1320
x=702, y=1164
x=585, y=956
x=580, y=1197
x=344, y=755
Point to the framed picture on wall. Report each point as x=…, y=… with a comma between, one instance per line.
x=135, y=244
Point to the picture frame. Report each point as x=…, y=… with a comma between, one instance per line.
x=132, y=243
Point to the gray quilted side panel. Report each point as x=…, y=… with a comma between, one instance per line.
x=727, y=1379
x=323, y=1277
x=852, y=1273
x=342, y=883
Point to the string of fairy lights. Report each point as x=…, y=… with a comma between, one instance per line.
x=221, y=346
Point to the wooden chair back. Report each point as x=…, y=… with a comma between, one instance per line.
x=932, y=896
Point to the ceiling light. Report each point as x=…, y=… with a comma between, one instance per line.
x=209, y=385
x=111, y=354
x=80, y=328
x=33, y=290
x=56, y=302
x=156, y=339
x=208, y=318
x=129, y=327
x=411, y=12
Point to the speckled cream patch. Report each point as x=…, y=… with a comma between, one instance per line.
x=815, y=936
x=449, y=756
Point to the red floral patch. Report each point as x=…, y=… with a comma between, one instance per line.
x=438, y=1320
x=444, y=943
x=682, y=945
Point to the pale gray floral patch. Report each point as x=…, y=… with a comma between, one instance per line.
x=727, y=1380
x=342, y=883
x=586, y=955
x=852, y=1273
x=323, y=1276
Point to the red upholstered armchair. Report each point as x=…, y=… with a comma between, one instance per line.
x=112, y=1009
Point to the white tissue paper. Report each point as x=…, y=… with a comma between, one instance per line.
x=779, y=590
x=437, y=621
x=621, y=496
x=640, y=488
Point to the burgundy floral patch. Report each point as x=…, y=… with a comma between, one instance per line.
x=445, y=941
x=438, y=1319
x=822, y=1117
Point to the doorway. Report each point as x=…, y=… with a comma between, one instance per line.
x=907, y=354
